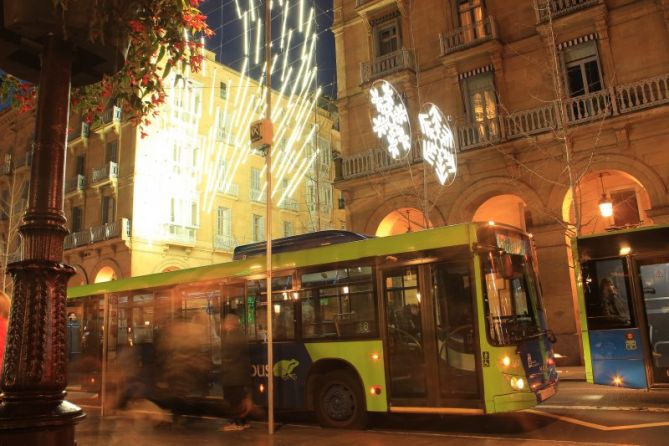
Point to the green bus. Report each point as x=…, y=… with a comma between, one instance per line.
x=446, y=321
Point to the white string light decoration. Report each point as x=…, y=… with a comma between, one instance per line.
x=438, y=143
x=390, y=119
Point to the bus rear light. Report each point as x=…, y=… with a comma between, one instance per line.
x=375, y=357
x=375, y=390
x=261, y=388
x=550, y=362
x=506, y=361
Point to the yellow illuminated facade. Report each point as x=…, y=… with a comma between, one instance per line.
x=189, y=191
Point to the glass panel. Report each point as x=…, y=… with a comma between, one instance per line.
x=283, y=301
x=338, y=303
x=607, y=296
x=405, y=334
x=455, y=329
x=575, y=81
x=513, y=310
x=655, y=282
x=592, y=76
x=625, y=208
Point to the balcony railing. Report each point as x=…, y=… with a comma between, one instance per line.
x=559, y=8
x=588, y=107
x=387, y=64
x=604, y=104
x=232, y=189
x=479, y=133
x=289, y=204
x=257, y=195
x=224, y=242
x=468, y=36
x=643, y=94
x=530, y=122
x=76, y=183
x=108, y=231
x=179, y=233
x=376, y=160
x=107, y=172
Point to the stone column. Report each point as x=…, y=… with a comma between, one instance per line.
x=33, y=410
x=559, y=291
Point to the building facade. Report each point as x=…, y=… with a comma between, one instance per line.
x=191, y=189
x=555, y=105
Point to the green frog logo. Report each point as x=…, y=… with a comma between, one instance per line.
x=284, y=369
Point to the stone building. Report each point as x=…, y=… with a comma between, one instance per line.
x=555, y=106
x=189, y=191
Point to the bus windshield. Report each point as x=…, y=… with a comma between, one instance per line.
x=512, y=298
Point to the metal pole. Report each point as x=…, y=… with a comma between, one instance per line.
x=268, y=226
x=34, y=411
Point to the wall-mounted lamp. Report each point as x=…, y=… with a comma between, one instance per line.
x=605, y=203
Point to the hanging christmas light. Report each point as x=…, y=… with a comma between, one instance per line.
x=438, y=143
x=390, y=119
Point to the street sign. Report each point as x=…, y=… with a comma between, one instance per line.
x=261, y=133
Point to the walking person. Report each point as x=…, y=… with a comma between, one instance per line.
x=235, y=372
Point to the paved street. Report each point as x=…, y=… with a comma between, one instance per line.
x=579, y=414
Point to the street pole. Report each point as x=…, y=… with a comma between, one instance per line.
x=33, y=410
x=268, y=226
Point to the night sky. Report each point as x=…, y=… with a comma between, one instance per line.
x=227, y=44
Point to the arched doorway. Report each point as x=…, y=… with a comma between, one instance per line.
x=105, y=274
x=628, y=197
x=508, y=209
x=402, y=220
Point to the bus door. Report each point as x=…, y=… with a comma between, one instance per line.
x=654, y=277
x=430, y=336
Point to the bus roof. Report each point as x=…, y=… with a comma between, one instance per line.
x=460, y=234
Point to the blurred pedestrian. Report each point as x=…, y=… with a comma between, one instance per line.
x=4, y=321
x=235, y=372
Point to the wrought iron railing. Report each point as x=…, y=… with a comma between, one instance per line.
x=107, y=172
x=559, y=8
x=94, y=234
x=387, y=64
x=224, y=242
x=468, y=36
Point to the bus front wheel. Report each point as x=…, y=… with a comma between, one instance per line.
x=340, y=402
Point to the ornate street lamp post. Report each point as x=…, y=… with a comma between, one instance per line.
x=33, y=409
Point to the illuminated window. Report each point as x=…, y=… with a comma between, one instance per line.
x=223, y=90
x=258, y=226
x=325, y=150
x=481, y=104
x=223, y=221
x=471, y=14
x=582, y=69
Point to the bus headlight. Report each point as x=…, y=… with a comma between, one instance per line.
x=517, y=383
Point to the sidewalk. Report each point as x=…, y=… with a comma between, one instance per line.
x=571, y=373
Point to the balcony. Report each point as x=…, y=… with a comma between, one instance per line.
x=558, y=8
x=179, y=234
x=106, y=173
x=257, y=195
x=95, y=234
x=81, y=130
x=231, y=189
x=376, y=160
x=388, y=64
x=75, y=184
x=468, y=36
x=225, y=243
x=598, y=106
x=289, y=204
